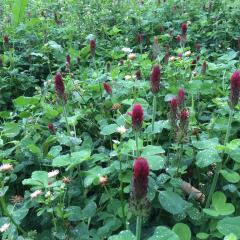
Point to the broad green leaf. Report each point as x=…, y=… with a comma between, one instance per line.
x=183, y=231
x=124, y=235
x=229, y=225
x=230, y=176
x=173, y=203
x=11, y=129
x=152, y=150
x=202, y=235
x=206, y=143
x=38, y=178
x=155, y=162
x=230, y=237
x=163, y=233
x=206, y=157
x=23, y=101
x=109, y=129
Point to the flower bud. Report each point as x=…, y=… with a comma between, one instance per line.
x=179, y=38
x=51, y=128
x=184, y=115
x=193, y=64
x=235, y=88
x=59, y=86
x=107, y=88
x=6, y=40
x=181, y=96
x=140, y=178
x=204, y=67
x=92, y=46
x=155, y=79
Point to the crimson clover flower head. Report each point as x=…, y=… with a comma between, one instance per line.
x=107, y=88
x=5, y=39
x=235, y=88
x=140, y=178
x=184, y=28
x=179, y=38
x=155, y=79
x=137, y=116
x=59, y=86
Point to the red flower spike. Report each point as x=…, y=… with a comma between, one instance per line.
x=184, y=115
x=51, y=127
x=137, y=116
x=93, y=46
x=179, y=38
x=204, y=67
x=6, y=39
x=59, y=86
x=107, y=88
x=155, y=79
x=235, y=88
x=184, y=28
x=140, y=178
x=174, y=105
x=181, y=96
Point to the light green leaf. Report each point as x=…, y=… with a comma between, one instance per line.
x=152, y=150
x=11, y=129
x=19, y=8
x=230, y=176
x=163, y=233
x=38, y=178
x=183, y=231
x=109, y=129
x=124, y=235
x=229, y=225
x=156, y=162
x=206, y=157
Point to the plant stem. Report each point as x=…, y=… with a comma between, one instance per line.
x=136, y=139
x=138, y=228
x=219, y=165
x=122, y=197
x=66, y=121
x=154, y=114
x=7, y=214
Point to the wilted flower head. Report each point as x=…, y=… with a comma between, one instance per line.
x=198, y=47
x=103, y=180
x=66, y=180
x=16, y=199
x=36, y=194
x=138, y=74
x=137, y=116
x=166, y=57
x=204, y=67
x=68, y=59
x=53, y=173
x=193, y=64
x=6, y=167
x=131, y=56
x=140, y=37
x=4, y=227
x=59, y=86
x=107, y=88
x=155, y=79
x=181, y=96
x=155, y=40
x=184, y=28
x=235, y=88
x=51, y=127
x=6, y=39
x=140, y=178
x=116, y=106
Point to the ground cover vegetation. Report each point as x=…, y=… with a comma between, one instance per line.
x=119, y=120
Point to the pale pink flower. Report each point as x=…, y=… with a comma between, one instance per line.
x=4, y=227
x=36, y=194
x=53, y=173
x=6, y=167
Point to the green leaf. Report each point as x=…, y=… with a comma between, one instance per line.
x=206, y=143
x=230, y=237
x=123, y=235
x=11, y=129
x=156, y=162
x=163, y=233
x=202, y=235
x=38, y=178
x=206, y=157
x=183, y=231
x=72, y=160
x=229, y=225
x=109, y=129
x=230, y=176
x=152, y=150
x=19, y=8
x=23, y=101
x=173, y=203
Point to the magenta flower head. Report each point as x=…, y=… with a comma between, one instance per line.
x=184, y=28
x=184, y=116
x=181, y=96
x=179, y=38
x=235, y=88
x=140, y=178
x=155, y=79
x=174, y=105
x=107, y=88
x=68, y=59
x=137, y=116
x=6, y=39
x=59, y=86
x=93, y=46
x=204, y=67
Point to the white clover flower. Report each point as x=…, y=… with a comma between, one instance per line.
x=53, y=173
x=6, y=167
x=126, y=50
x=4, y=227
x=172, y=58
x=187, y=53
x=36, y=194
x=116, y=141
x=48, y=194
x=121, y=129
